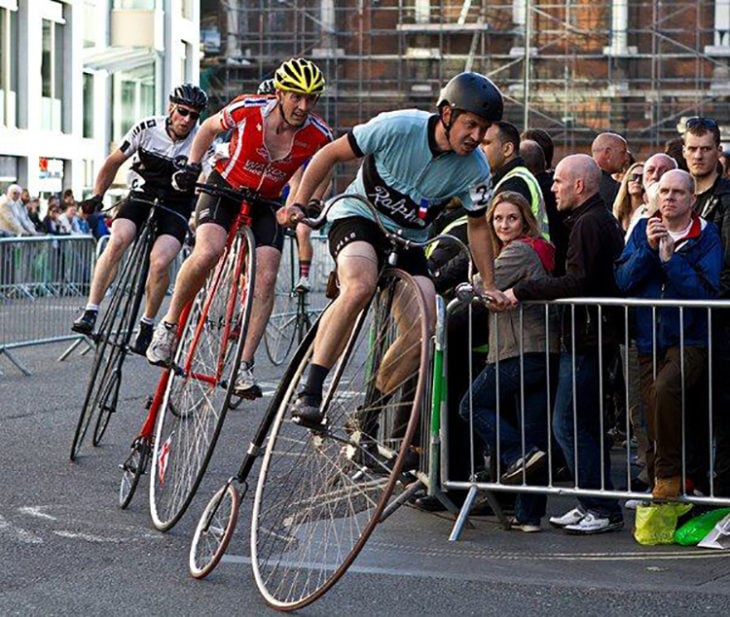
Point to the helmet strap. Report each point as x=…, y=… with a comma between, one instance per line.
x=447, y=127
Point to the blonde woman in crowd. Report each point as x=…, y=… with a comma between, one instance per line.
x=630, y=197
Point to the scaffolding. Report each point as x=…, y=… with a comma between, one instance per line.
x=575, y=68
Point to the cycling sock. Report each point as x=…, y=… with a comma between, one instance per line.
x=147, y=320
x=92, y=307
x=304, y=265
x=315, y=380
x=169, y=326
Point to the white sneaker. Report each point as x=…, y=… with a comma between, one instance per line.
x=302, y=284
x=525, y=527
x=569, y=518
x=162, y=346
x=592, y=523
x=246, y=386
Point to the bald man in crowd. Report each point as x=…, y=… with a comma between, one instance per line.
x=594, y=243
x=610, y=152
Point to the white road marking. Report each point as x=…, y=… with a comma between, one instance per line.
x=20, y=534
x=36, y=511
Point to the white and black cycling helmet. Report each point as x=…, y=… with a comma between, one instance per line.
x=267, y=87
x=474, y=93
x=190, y=95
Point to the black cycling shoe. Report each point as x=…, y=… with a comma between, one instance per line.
x=306, y=411
x=85, y=323
x=144, y=338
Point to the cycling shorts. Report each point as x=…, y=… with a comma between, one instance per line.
x=222, y=211
x=359, y=229
x=173, y=223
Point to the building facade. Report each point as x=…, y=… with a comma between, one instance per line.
x=76, y=74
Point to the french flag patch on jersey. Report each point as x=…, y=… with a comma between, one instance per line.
x=423, y=209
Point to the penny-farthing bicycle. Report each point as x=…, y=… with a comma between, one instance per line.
x=114, y=333
x=321, y=491
x=195, y=393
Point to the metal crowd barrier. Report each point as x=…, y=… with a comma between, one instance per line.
x=699, y=418
x=44, y=282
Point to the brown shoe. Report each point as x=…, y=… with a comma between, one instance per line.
x=667, y=488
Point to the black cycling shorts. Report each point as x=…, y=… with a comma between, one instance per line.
x=173, y=223
x=359, y=229
x=223, y=211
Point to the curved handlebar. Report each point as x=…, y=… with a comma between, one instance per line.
x=396, y=239
x=242, y=193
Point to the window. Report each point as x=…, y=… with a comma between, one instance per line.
x=133, y=98
x=52, y=62
x=8, y=64
x=88, y=128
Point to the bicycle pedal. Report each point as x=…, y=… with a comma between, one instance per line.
x=317, y=427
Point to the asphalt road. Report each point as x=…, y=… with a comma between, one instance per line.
x=67, y=549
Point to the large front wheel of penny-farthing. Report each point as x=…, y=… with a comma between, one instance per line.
x=321, y=493
x=200, y=382
x=112, y=338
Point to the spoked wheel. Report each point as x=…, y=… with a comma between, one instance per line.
x=321, y=492
x=133, y=469
x=200, y=384
x=282, y=326
x=214, y=531
x=112, y=339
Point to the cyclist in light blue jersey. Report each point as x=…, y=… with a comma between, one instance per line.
x=414, y=162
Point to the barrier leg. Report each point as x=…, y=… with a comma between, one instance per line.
x=74, y=345
x=14, y=362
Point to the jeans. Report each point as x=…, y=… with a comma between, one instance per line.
x=529, y=508
x=584, y=436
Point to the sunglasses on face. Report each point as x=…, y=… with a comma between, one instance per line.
x=637, y=177
x=188, y=112
x=697, y=121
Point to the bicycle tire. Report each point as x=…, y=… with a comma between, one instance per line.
x=281, y=329
x=132, y=470
x=320, y=493
x=214, y=531
x=112, y=339
x=200, y=385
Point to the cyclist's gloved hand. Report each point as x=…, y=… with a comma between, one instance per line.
x=313, y=208
x=91, y=205
x=184, y=180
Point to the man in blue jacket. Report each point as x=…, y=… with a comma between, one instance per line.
x=673, y=255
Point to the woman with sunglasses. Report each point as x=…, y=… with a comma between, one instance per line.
x=631, y=197
x=159, y=146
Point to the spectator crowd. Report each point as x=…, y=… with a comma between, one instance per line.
x=20, y=215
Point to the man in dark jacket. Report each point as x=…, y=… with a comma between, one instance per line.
x=702, y=152
x=595, y=242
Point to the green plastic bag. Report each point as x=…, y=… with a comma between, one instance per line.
x=655, y=523
x=693, y=531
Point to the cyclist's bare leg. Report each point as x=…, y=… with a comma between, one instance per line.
x=267, y=267
x=122, y=235
x=357, y=271
x=304, y=244
x=164, y=250
x=210, y=241
x=402, y=358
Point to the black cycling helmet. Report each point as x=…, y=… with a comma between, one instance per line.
x=474, y=93
x=266, y=87
x=190, y=95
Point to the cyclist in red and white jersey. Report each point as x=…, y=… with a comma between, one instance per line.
x=272, y=137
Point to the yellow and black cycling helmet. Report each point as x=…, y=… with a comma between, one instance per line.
x=299, y=75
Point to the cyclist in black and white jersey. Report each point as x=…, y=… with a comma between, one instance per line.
x=160, y=147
